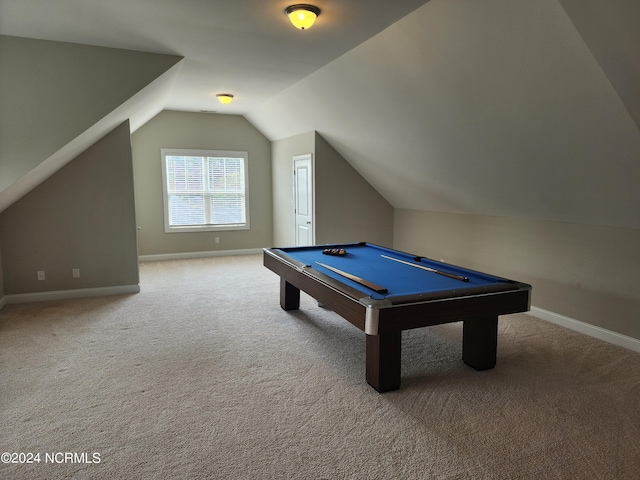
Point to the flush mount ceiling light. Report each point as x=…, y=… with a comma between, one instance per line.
x=225, y=98
x=302, y=15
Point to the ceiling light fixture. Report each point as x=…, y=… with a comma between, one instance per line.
x=225, y=98
x=302, y=15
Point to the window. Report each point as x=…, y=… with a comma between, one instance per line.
x=204, y=190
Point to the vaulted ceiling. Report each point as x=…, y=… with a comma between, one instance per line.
x=513, y=108
x=245, y=47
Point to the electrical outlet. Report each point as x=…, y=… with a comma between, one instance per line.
x=75, y=273
x=40, y=274
x=217, y=239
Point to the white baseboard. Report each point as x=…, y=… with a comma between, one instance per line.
x=66, y=294
x=567, y=322
x=588, y=329
x=212, y=253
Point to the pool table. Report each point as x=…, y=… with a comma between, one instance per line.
x=383, y=291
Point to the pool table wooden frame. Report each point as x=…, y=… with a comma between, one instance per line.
x=383, y=320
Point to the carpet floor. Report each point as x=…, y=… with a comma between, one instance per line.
x=202, y=375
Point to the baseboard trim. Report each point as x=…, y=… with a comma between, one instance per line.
x=588, y=329
x=67, y=294
x=211, y=253
x=567, y=322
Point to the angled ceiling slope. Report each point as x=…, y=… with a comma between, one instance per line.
x=493, y=108
x=245, y=47
x=611, y=30
x=59, y=98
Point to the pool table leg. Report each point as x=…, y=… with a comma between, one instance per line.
x=480, y=342
x=383, y=361
x=289, y=295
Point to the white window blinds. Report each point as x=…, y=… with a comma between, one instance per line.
x=205, y=190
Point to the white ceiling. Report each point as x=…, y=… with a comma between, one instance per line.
x=491, y=108
x=244, y=47
x=517, y=108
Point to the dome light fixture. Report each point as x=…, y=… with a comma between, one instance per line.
x=225, y=98
x=302, y=15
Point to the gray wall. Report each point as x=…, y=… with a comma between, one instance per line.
x=282, y=152
x=346, y=207
x=171, y=129
x=1, y=278
x=584, y=272
x=81, y=217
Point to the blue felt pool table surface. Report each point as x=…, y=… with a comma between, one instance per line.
x=367, y=262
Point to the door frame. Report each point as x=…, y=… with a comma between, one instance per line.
x=299, y=158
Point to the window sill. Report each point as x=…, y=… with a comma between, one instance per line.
x=205, y=228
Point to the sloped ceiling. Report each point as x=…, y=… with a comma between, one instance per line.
x=244, y=47
x=514, y=108
x=611, y=30
x=495, y=108
x=60, y=98
x=55, y=91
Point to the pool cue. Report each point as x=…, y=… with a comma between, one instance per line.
x=429, y=269
x=361, y=281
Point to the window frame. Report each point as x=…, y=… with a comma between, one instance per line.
x=186, y=152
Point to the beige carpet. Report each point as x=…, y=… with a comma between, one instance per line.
x=202, y=375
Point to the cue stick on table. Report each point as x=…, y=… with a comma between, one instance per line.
x=429, y=269
x=361, y=281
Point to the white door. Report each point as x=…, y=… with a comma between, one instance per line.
x=303, y=199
